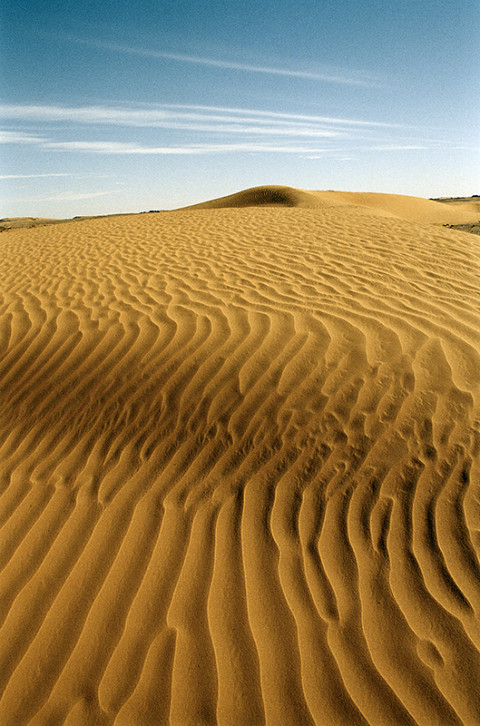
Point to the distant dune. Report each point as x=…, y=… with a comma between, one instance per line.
x=240, y=465
x=414, y=209
x=19, y=222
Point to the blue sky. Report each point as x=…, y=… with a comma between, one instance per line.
x=128, y=106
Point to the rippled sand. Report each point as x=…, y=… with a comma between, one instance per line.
x=240, y=466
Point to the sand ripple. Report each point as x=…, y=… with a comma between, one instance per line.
x=240, y=470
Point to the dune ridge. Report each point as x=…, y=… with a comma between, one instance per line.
x=240, y=470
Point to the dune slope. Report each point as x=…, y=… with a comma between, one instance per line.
x=239, y=457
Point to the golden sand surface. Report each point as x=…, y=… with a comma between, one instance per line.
x=240, y=466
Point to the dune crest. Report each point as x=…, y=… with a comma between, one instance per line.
x=240, y=468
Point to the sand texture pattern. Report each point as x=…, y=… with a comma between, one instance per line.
x=240, y=476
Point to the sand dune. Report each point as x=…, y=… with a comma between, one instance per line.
x=415, y=209
x=18, y=222
x=240, y=467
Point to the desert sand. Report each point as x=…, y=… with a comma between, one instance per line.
x=240, y=465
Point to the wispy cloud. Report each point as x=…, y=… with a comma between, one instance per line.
x=72, y=196
x=13, y=137
x=192, y=118
x=337, y=153
x=118, y=147
x=283, y=116
x=217, y=129
x=131, y=148
x=32, y=176
x=323, y=74
x=125, y=147
x=67, y=196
